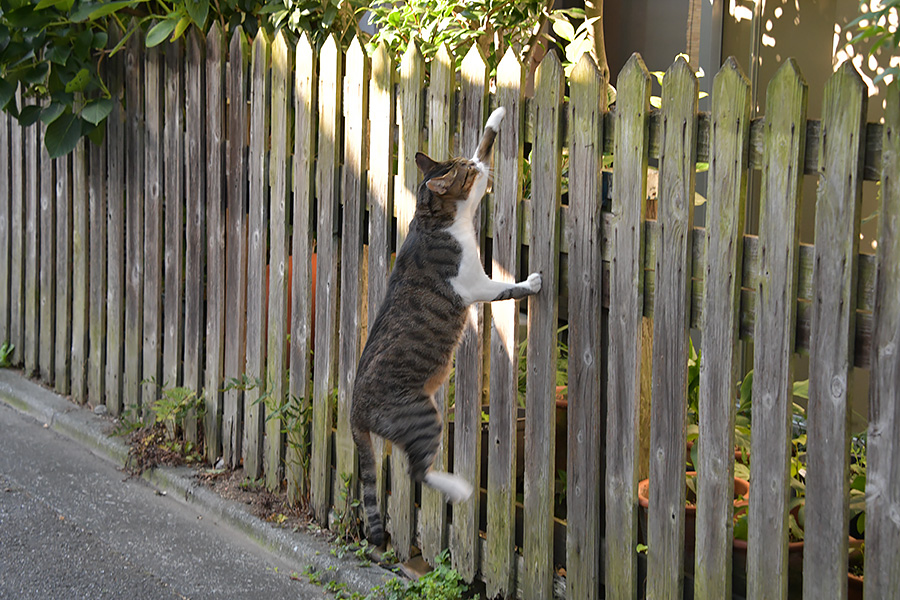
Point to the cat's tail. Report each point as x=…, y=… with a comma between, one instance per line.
x=367, y=476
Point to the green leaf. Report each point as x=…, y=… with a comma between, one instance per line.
x=159, y=32
x=79, y=82
x=197, y=9
x=329, y=15
x=107, y=8
x=181, y=27
x=29, y=115
x=97, y=110
x=48, y=3
x=62, y=135
x=7, y=91
x=83, y=12
x=99, y=41
x=564, y=29
x=58, y=54
x=52, y=112
x=801, y=389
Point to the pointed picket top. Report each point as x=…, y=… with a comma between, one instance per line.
x=730, y=75
x=848, y=77
x=788, y=76
x=411, y=57
x=679, y=78
x=304, y=51
x=585, y=71
x=215, y=39
x=356, y=52
x=474, y=61
x=509, y=65
x=444, y=56
x=279, y=45
x=236, y=42
x=550, y=69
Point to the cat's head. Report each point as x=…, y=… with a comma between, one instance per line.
x=456, y=186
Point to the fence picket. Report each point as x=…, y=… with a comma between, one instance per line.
x=235, y=246
x=670, y=333
x=153, y=227
x=786, y=99
x=88, y=171
x=5, y=229
x=433, y=516
x=409, y=111
x=82, y=307
x=330, y=100
x=499, y=562
x=215, y=239
x=725, y=229
x=33, y=143
x=173, y=258
x=115, y=228
x=47, y=265
x=464, y=538
x=17, y=237
x=626, y=297
x=381, y=209
x=882, y=489
x=134, y=221
x=355, y=111
x=297, y=461
x=278, y=256
x=841, y=158
x=585, y=472
x=540, y=430
x=256, y=256
x=63, y=273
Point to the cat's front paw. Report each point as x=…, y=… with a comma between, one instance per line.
x=493, y=121
x=534, y=282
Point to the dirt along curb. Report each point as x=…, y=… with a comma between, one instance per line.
x=83, y=426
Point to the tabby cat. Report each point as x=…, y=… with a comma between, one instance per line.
x=408, y=354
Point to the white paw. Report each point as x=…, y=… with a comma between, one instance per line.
x=454, y=487
x=493, y=121
x=534, y=282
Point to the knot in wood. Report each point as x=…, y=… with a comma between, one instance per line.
x=838, y=385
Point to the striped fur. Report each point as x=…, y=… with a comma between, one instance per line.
x=409, y=350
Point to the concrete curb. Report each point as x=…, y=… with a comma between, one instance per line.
x=86, y=428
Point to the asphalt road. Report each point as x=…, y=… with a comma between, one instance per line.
x=74, y=526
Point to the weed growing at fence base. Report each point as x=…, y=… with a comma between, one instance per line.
x=6, y=351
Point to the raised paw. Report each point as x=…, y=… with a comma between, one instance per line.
x=454, y=487
x=534, y=282
x=493, y=121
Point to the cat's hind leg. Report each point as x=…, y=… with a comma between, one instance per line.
x=367, y=476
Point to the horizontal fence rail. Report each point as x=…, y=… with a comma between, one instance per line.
x=233, y=236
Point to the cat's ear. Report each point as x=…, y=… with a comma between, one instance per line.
x=440, y=185
x=424, y=163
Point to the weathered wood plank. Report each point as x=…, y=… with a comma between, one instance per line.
x=409, y=119
x=115, y=227
x=134, y=221
x=93, y=165
x=215, y=239
x=256, y=255
x=626, y=291
x=382, y=119
x=670, y=333
x=725, y=218
x=352, y=301
x=47, y=265
x=328, y=157
x=776, y=291
x=153, y=227
x=33, y=145
x=585, y=468
x=195, y=221
x=173, y=258
x=499, y=561
x=278, y=256
x=235, y=246
x=297, y=462
x=433, y=516
x=63, y=271
x=540, y=430
x=833, y=322
x=5, y=231
x=883, y=476
x=83, y=309
x=464, y=533
x=17, y=237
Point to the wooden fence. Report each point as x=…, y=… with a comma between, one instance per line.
x=170, y=252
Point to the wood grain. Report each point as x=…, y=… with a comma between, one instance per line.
x=464, y=533
x=725, y=218
x=33, y=143
x=883, y=469
x=5, y=229
x=670, y=333
x=779, y=230
x=95, y=161
x=17, y=237
x=626, y=292
x=47, y=265
x=83, y=308
x=838, y=205
x=235, y=245
x=62, y=361
x=540, y=430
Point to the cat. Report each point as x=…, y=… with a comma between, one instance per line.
x=409, y=351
